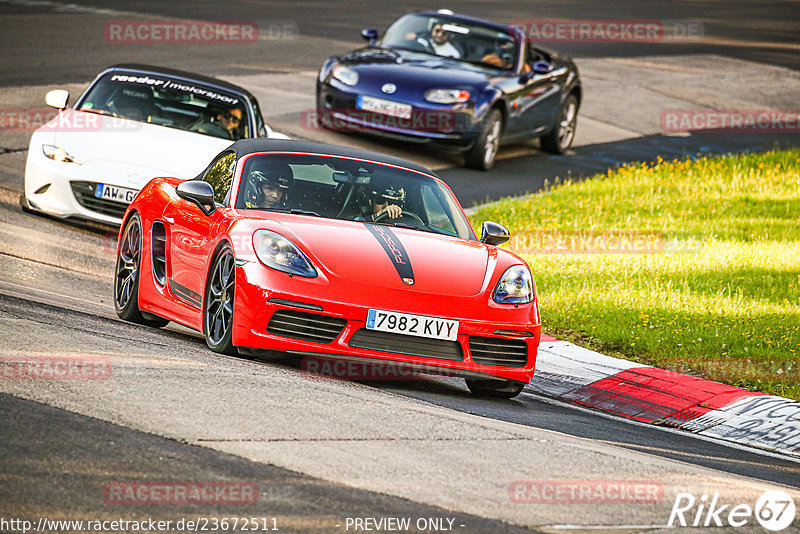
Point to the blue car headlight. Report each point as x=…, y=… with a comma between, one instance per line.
x=345, y=75
x=515, y=286
x=279, y=253
x=446, y=96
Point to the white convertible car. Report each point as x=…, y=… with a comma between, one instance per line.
x=133, y=123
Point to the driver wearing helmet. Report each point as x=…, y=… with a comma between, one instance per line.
x=268, y=187
x=387, y=202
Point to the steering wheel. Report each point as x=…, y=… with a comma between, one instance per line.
x=403, y=213
x=420, y=43
x=210, y=128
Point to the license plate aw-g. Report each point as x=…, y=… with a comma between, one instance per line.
x=412, y=325
x=117, y=194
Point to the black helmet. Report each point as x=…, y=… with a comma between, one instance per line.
x=389, y=193
x=270, y=175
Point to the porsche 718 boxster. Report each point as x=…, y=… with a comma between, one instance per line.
x=317, y=250
x=453, y=81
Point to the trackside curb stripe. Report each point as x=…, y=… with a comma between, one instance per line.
x=648, y=394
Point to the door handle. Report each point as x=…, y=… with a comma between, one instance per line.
x=170, y=220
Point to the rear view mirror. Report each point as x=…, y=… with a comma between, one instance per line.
x=349, y=178
x=57, y=98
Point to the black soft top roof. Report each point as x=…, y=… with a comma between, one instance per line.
x=207, y=80
x=262, y=144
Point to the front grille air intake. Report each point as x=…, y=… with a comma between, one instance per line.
x=410, y=345
x=498, y=351
x=84, y=194
x=305, y=326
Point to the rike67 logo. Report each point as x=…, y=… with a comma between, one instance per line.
x=774, y=510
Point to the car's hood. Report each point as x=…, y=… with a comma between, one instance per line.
x=378, y=66
x=383, y=255
x=150, y=149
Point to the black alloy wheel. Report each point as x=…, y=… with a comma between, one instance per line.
x=219, y=303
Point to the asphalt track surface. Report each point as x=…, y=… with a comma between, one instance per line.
x=764, y=31
x=86, y=449
x=54, y=459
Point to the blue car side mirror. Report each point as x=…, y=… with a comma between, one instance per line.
x=542, y=67
x=370, y=35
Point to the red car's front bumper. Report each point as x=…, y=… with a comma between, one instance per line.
x=341, y=310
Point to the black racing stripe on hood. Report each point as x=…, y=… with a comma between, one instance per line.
x=394, y=249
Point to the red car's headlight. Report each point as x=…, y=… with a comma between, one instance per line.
x=515, y=286
x=279, y=253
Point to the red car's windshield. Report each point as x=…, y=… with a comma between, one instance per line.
x=343, y=188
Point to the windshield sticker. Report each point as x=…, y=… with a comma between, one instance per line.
x=175, y=86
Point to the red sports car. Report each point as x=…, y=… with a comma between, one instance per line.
x=332, y=252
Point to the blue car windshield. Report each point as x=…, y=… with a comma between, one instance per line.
x=350, y=189
x=453, y=38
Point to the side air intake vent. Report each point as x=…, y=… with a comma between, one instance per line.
x=158, y=247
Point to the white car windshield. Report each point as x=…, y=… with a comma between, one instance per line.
x=166, y=101
x=453, y=38
x=343, y=188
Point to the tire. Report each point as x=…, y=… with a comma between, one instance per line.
x=483, y=153
x=218, y=304
x=494, y=389
x=126, y=277
x=560, y=138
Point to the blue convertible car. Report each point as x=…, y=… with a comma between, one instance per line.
x=454, y=81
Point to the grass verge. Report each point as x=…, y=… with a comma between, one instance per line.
x=689, y=265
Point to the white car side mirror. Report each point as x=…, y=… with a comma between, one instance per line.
x=57, y=98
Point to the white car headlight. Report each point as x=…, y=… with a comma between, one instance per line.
x=515, y=286
x=446, y=96
x=279, y=253
x=59, y=154
x=345, y=75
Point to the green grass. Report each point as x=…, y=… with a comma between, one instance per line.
x=719, y=298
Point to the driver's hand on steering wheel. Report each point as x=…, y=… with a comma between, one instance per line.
x=391, y=210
